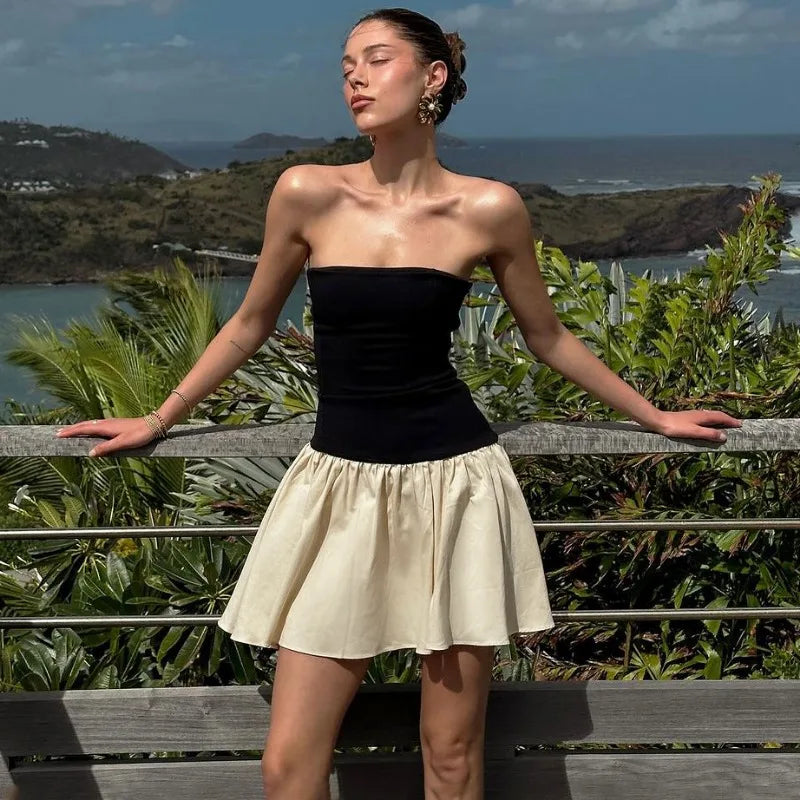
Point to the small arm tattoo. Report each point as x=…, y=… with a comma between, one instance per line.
x=239, y=346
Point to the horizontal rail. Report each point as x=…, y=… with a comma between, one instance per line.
x=604, y=615
x=221, y=531
x=254, y=440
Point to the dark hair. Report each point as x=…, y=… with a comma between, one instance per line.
x=432, y=44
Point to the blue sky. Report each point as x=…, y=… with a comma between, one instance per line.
x=207, y=69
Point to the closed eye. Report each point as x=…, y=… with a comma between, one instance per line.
x=375, y=61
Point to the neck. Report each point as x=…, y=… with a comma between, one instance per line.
x=404, y=163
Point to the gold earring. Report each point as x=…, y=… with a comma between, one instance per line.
x=429, y=109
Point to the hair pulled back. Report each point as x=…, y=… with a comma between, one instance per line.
x=431, y=44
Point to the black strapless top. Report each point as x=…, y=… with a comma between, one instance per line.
x=388, y=392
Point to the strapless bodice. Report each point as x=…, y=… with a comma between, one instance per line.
x=388, y=391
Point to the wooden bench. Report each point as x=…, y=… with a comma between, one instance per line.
x=75, y=725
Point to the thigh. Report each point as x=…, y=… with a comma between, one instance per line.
x=454, y=693
x=310, y=695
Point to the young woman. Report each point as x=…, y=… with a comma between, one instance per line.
x=401, y=523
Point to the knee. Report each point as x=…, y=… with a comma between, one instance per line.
x=288, y=775
x=451, y=760
x=276, y=772
x=279, y=771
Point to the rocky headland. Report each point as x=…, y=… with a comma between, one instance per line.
x=51, y=158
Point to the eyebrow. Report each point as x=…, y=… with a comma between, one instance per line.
x=366, y=49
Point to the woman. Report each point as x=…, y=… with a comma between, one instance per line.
x=401, y=523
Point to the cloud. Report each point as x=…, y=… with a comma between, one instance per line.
x=290, y=60
x=725, y=39
x=518, y=61
x=10, y=48
x=671, y=27
x=569, y=41
x=598, y=27
x=34, y=16
x=159, y=78
x=469, y=16
x=585, y=6
x=156, y=6
x=177, y=40
x=475, y=14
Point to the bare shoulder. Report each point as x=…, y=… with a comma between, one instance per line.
x=495, y=202
x=309, y=186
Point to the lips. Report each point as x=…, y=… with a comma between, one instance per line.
x=357, y=102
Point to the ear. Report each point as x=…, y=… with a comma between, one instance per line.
x=437, y=77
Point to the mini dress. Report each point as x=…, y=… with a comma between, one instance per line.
x=401, y=523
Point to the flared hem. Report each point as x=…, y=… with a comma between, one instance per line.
x=353, y=559
x=388, y=648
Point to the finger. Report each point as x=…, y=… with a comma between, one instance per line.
x=722, y=418
x=103, y=448
x=89, y=426
x=715, y=436
x=118, y=442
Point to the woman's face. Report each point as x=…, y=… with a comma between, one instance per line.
x=380, y=65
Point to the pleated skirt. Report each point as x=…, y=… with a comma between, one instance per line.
x=355, y=558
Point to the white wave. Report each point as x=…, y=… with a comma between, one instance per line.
x=786, y=187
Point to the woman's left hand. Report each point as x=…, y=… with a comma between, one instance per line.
x=695, y=424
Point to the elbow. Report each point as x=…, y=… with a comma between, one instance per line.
x=541, y=340
x=253, y=328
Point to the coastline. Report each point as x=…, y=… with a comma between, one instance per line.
x=637, y=223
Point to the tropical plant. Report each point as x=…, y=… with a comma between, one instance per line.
x=682, y=342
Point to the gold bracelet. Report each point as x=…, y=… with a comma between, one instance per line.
x=188, y=407
x=161, y=420
x=159, y=427
x=162, y=429
x=153, y=425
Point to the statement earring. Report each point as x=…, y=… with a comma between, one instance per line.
x=429, y=109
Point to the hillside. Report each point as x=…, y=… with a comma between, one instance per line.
x=71, y=156
x=85, y=233
x=284, y=142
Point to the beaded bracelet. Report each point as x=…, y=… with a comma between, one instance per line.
x=188, y=407
x=161, y=420
x=156, y=424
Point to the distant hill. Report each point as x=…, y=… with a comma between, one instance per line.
x=71, y=156
x=86, y=233
x=280, y=141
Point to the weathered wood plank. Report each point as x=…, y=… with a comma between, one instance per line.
x=237, y=717
x=518, y=438
x=554, y=775
x=8, y=790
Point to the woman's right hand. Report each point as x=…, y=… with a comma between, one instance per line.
x=122, y=433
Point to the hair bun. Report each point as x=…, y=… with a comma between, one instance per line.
x=460, y=90
x=457, y=45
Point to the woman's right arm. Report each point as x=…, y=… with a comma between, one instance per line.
x=283, y=254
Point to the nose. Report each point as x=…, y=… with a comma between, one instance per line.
x=355, y=78
x=356, y=83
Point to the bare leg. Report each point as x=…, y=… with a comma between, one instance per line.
x=455, y=690
x=310, y=696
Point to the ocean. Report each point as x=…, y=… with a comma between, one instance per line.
x=570, y=165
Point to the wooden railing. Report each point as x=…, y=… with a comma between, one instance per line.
x=70, y=727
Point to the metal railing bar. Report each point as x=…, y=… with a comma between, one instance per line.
x=163, y=531
x=599, y=615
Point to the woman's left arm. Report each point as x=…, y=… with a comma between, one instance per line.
x=503, y=216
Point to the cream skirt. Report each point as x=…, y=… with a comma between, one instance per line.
x=354, y=558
